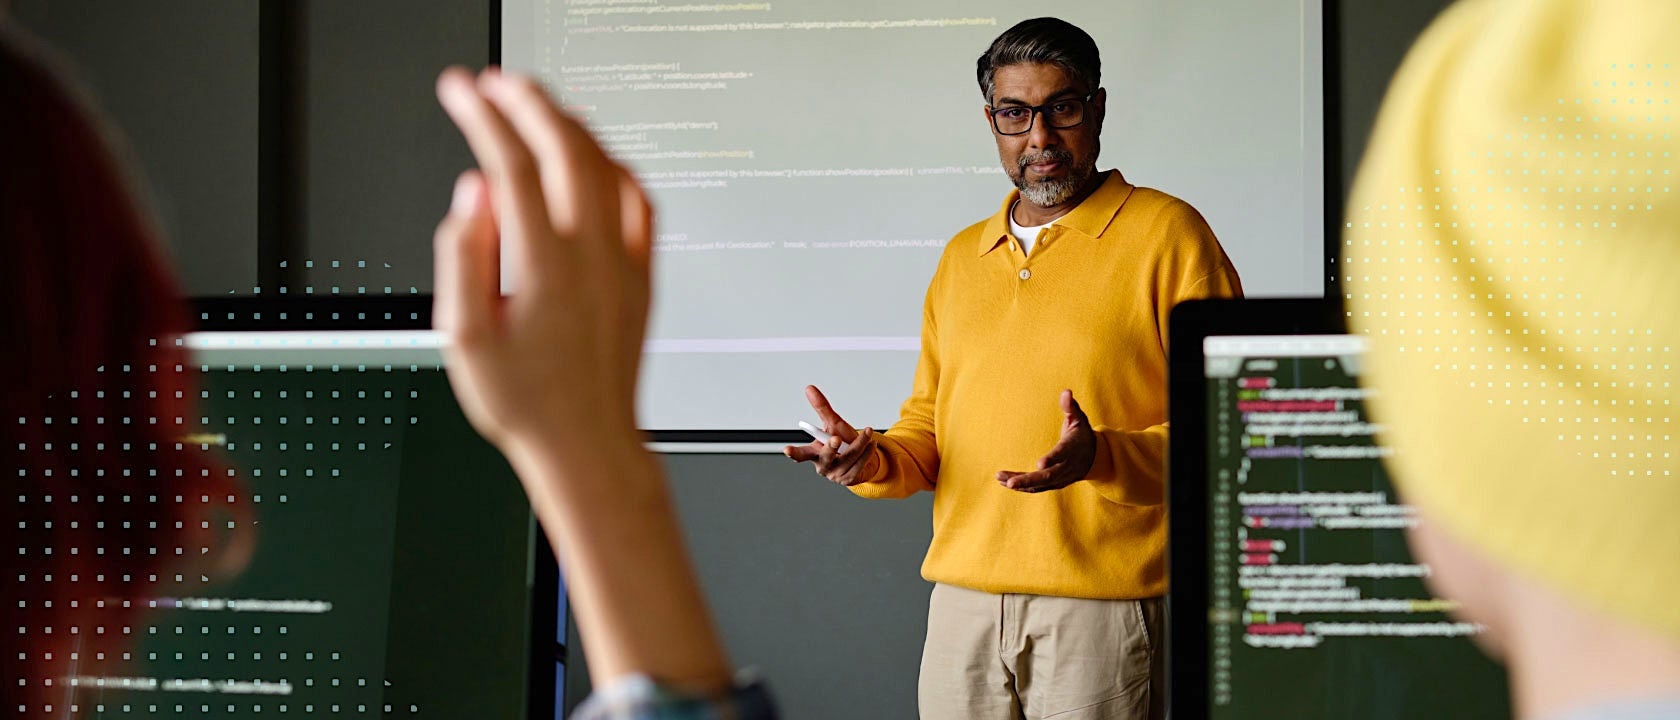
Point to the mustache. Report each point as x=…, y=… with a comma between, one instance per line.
x=1053, y=155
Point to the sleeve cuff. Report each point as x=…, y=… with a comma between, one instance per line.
x=639, y=697
x=1102, y=466
x=1119, y=450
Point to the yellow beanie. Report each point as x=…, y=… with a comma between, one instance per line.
x=1512, y=247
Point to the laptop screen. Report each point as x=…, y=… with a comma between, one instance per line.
x=1316, y=607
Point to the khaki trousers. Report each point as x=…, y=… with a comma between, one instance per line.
x=1008, y=657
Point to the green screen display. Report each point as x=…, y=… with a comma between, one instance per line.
x=392, y=568
x=1318, y=609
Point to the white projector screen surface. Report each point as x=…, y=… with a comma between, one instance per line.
x=809, y=161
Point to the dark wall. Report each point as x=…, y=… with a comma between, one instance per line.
x=381, y=155
x=180, y=79
x=819, y=589
x=363, y=156
x=1374, y=37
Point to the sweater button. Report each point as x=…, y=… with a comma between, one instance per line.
x=1026, y=274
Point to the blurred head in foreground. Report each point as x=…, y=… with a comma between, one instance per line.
x=1513, y=249
x=107, y=508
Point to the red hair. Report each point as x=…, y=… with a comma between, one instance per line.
x=104, y=497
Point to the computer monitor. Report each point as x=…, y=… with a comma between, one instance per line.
x=396, y=571
x=1293, y=592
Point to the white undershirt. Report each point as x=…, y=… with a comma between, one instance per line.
x=1027, y=235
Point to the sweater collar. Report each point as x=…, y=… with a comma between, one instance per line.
x=1090, y=218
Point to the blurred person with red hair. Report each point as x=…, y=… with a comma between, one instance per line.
x=107, y=504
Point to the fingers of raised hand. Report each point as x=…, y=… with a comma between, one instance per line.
x=508, y=166
x=580, y=185
x=464, y=261
x=637, y=215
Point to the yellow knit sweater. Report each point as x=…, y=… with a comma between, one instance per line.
x=1002, y=335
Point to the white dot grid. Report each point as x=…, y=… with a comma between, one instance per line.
x=374, y=413
x=369, y=283
x=1578, y=171
x=371, y=278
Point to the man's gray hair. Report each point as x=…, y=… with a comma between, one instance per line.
x=1042, y=40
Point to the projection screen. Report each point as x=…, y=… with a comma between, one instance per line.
x=809, y=160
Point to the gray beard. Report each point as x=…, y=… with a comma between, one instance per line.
x=1048, y=193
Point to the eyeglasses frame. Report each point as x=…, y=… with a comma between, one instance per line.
x=1084, y=102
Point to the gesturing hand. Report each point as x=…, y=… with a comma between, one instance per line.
x=847, y=468
x=554, y=363
x=1067, y=462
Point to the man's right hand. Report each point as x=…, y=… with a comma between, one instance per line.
x=848, y=468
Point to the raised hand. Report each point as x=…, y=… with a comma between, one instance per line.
x=548, y=373
x=555, y=363
x=1066, y=463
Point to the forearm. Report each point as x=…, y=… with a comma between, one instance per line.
x=608, y=514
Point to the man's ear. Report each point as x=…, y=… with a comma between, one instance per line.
x=1099, y=107
x=984, y=111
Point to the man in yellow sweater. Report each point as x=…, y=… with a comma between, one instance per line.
x=1038, y=414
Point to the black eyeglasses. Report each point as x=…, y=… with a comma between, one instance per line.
x=1060, y=114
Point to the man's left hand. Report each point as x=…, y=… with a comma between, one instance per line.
x=1067, y=462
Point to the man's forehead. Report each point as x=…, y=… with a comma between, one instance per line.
x=1034, y=82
